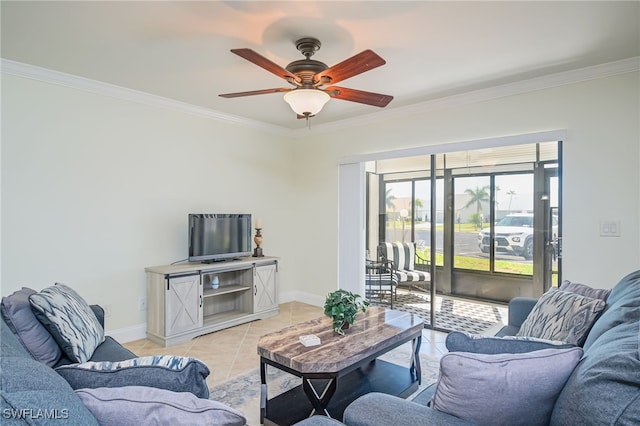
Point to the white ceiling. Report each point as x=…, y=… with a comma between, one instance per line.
x=180, y=49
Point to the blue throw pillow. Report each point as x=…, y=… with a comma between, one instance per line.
x=17, y=313
x=458, y=341
x=139, y=405
x=70, y=321
x=503, y=389
x=174, y=373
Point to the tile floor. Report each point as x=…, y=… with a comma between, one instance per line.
x=231, y=352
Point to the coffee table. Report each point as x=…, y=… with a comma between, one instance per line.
x=341, y=368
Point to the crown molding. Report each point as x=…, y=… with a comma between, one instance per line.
x=539, y=83
x=530, y=85
x=45, y=75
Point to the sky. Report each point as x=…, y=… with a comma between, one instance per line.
x=520, y=184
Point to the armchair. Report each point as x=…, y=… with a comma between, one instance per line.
x=410, y=269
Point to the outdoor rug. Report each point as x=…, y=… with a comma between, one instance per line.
x=451, y=314
x=243, y=392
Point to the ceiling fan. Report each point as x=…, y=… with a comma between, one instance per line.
x=309, y=78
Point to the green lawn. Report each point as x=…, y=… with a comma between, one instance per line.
x=472, y=263
x=478, y=264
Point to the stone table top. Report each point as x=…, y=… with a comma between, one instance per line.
x=375, y=331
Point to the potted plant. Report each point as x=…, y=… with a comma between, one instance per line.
x=342, y=306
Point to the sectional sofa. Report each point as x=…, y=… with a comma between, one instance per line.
x=594, y=380
x=57, y=367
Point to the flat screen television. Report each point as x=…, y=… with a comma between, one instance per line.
x=217, y=237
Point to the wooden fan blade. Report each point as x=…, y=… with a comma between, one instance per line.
x=355, y=65
x=255, y=92
x=353, y=95
x=265, y=63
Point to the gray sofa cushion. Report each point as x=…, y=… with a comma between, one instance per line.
x=175, y=373
x=319, y=420
x=34, y=391
x=458, y=341
x=564, y=316
x=379, y=409
x=503, y=389
x=17, y=313
x=109, y=350
x=139, y=405
x=70, y=321
x=10, y=346
x=622, y=306
x=604, y=389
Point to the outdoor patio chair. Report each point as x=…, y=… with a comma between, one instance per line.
x=380, y=280
x=409, y=268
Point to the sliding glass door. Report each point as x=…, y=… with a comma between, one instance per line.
x=494, y=223
x=490, y=220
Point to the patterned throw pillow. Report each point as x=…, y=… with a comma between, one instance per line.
x=70, y=321
x=174, y=373
x=564, y=316
x=585, y=290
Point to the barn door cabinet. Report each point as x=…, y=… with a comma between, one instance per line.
x=183, y=301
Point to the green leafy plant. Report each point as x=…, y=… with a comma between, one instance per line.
x=342, y=306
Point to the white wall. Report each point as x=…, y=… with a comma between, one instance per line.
x=601, y=165
x=94, y=189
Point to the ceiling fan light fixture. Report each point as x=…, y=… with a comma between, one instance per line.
x=306, y=102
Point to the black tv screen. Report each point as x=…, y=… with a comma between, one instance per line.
x=214, y=237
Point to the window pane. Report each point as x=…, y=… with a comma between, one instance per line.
x=471, y=203
x=440, y=200
x=554, y=207
x=422, y=219
x=398, y=209
x=514, y=226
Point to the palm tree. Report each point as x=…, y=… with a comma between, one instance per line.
x=418, y=203
x=477, y=196
x=389, y=200
x=510, y=193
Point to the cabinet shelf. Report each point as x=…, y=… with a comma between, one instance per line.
x=210, y=320
x=226, y=289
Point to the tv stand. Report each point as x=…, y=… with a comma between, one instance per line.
x=182, y=304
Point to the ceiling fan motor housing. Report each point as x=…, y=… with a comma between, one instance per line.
x=306, y=69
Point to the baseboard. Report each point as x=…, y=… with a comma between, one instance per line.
x=129, y=334
x=303, y=297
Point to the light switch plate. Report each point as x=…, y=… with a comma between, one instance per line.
x=610, y=228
